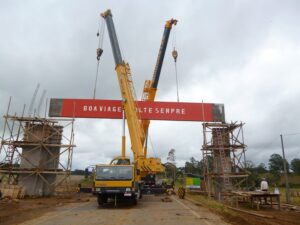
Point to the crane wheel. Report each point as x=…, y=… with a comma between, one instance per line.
x=101, y=200
x=134, y=201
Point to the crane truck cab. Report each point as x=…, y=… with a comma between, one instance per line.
x=115, y=183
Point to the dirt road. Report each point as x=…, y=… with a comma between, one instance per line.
x=150, y=210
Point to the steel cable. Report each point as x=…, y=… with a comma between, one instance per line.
x=100, y=34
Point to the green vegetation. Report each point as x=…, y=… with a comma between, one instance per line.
x=295, y=195
x=210, y=203
x=273, y=172
x=77, y=172
x=295, y=166
x=87, y=182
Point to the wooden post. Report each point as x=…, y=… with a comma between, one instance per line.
x=287, y=190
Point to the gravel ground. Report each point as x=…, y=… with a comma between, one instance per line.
x=149, y=210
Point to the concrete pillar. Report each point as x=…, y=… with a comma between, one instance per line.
x=220, y=167
x=39, y=158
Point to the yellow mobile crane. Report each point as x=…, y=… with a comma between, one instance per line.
x=120, y=179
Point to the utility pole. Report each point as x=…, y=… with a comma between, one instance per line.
x=287, y=191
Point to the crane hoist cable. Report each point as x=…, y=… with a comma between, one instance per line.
x=33, y=100
x=175, y=55
x=99, y=51
x=152, y=146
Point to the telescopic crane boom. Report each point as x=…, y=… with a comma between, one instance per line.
x=134, y=122
x=150, y=86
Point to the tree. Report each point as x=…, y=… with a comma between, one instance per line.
x=295, y=166
x=261, y=168
x=276, y=164
x=77, y=172
x=171, y=169
x=171, y=156
x=253, y=179
x=249, y=165
x=276, y=168
x=193, y=166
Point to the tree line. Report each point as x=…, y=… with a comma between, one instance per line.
x=272, y=171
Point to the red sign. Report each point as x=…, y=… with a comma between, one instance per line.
x=112, y=109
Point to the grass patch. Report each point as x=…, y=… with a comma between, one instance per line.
x=210, y=203
x=86, y=182
x=228, y=215
x=295, y=198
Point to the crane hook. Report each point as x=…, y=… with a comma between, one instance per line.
x=99, y=53
x=174, y=54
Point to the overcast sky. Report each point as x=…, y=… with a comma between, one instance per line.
x=244, y=54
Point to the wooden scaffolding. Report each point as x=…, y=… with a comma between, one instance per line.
x=224, y=158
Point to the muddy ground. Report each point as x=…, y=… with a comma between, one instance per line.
x=18, y=211
x=279, y=218
x=150, y=209
x=33, y=211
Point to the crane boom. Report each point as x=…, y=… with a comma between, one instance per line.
x=162, y=51
x=134, y=122
x=150, y=86
x=113, y=37
x=126, y=85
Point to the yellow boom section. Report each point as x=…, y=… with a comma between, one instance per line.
x=134, y=122
x=132, y=115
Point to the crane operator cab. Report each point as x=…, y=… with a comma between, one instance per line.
x=120, y=161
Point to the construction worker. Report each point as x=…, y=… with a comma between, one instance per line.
x=276, y=190
x=264, y=185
